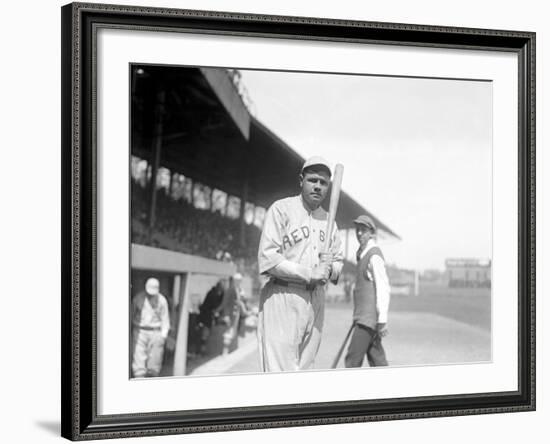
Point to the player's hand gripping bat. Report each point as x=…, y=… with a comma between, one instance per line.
x=334, y=198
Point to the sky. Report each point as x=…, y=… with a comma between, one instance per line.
x=417, y=153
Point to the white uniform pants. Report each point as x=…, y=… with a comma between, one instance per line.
x=148, y=352
x=290, y=323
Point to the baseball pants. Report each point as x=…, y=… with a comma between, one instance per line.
x=365, y=341
x=230, y=335
x=148, y=352
x=290, y=323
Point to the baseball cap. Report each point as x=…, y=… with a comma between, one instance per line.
x=317, y=160
x=152, y=286
x=365, y=220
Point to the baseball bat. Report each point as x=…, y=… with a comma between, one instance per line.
x=334, y=198
x=338, y=356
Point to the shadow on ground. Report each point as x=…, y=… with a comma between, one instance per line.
x=53, y=427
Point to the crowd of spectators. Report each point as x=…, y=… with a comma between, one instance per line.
x=180, y=226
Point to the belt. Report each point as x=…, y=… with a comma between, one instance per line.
x=141, y=327
x=308, y=287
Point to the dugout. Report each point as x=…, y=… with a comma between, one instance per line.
x=182, y=279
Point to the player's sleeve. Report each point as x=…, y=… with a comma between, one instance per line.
x=382, y=288
x=165, y=318
x=136, y=309
x=270, y=258
x=338, y=253
x=270, y=248
x=291, y=271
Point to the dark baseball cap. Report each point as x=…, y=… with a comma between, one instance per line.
x=366, y=221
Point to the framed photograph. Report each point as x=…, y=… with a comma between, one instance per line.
x=278, y=221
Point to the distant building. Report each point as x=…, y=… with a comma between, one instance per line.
x=467, y=272
x=433, y=275
x=402, y=281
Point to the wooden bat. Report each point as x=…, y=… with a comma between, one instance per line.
x=342, y=347
x=334, y=198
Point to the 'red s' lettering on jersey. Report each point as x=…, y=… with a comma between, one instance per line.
x=293, y=232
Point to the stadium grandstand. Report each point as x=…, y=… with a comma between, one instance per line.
x=203, y=171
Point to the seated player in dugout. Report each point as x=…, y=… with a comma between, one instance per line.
x=292, y=253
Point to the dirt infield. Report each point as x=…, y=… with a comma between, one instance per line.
x=441, y=326
x=415, y=338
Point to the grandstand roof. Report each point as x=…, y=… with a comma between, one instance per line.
x=206, y=140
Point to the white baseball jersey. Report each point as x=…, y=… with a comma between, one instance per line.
x=291, y=317
x=294, y=233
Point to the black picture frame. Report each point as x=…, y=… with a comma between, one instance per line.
x=80, y=420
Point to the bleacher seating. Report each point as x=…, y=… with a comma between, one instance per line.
x=179, y=226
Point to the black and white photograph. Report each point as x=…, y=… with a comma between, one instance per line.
x=276, y=221
x=290, y=221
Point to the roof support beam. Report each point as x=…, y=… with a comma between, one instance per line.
x=221, y=84
x=155, y=154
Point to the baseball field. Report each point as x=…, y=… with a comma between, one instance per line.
x=440, y=326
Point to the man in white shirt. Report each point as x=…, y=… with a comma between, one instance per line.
x=290, y=320
x=371, y=298
x=150, y=327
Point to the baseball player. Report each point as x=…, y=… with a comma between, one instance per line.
x=231, y=312
x=291, y=315
x=371, y=298
x=150, y=327
x=210, y=311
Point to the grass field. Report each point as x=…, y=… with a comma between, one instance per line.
x=469, y=305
